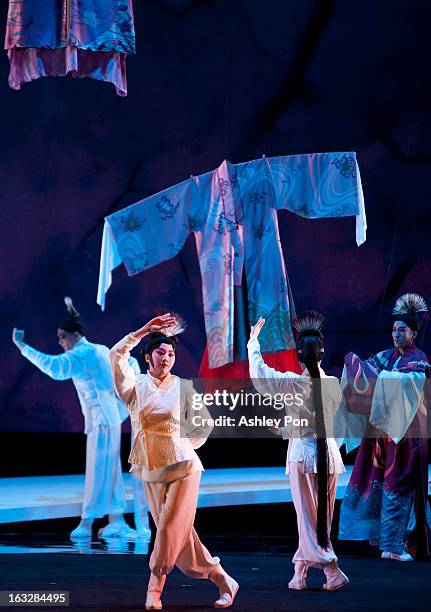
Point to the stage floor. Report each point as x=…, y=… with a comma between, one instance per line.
x=47, y=497
x=119, y=582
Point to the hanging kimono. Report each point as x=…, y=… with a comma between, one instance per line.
x=232, y=212
x=86, y=38
x=386, y=499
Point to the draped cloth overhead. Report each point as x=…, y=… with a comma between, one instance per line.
x=85, y=38
x=232, y=212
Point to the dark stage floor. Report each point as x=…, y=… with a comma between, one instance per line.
x=262, y=565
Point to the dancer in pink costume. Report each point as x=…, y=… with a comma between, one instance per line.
x=313, y=457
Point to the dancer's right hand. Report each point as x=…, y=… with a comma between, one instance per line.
x=18, y=337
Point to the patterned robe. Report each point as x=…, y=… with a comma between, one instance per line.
x=232, y=212
x=386, y=500
x=87, y=38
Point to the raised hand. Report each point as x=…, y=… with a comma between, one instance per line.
x=161, y=322
x=18, y=337
x=255, y=329
x=157, y=324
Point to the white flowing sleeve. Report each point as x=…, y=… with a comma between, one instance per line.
x=396, y=400
x=123, y=373
x=109, y=260
x=58, y=367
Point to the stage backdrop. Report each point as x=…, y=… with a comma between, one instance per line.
x=214, y=80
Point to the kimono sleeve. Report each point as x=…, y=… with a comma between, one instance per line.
x=154, y=229
x=357, y=386
x=57, y=367
x=148, y=232
x=319, y=185
x=396, y=400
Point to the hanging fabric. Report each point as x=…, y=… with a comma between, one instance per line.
x=84, y=38
x=232, y=212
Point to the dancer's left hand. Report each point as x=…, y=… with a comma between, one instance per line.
x=160, y=323
x=255, y=329
x=18, y=337
x=157, y=324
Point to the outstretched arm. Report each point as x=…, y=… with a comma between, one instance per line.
x=58, y=367
x=265, y=379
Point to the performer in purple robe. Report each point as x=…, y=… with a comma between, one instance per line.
x=386, y=499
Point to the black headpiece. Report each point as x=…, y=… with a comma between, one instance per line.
x=73, y=323
x=309, y=324
x=407, y=309
x=168, y=336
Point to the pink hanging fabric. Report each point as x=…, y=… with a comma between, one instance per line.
x=83, y=38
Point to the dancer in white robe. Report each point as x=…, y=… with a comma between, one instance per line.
x=313, y=458
x=88, y=365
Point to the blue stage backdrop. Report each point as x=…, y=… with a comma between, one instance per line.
x=215, y=80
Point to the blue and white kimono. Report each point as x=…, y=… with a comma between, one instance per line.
x=232, y=212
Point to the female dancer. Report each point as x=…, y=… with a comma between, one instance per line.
x=165, y=461
x=313, y=460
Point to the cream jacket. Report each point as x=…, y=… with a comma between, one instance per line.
x=160, y=412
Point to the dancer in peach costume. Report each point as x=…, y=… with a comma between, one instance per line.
x=165, y=461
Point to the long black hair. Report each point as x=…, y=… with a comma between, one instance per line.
x=309, y=347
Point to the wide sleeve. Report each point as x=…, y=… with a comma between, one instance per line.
x=58, y=367
x=147, y=233
x=109, y=260
x=319, y=185
x=396, y=400
x=123, y=373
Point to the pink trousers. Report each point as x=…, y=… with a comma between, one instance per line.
x=173, y=508
x=304, y=494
